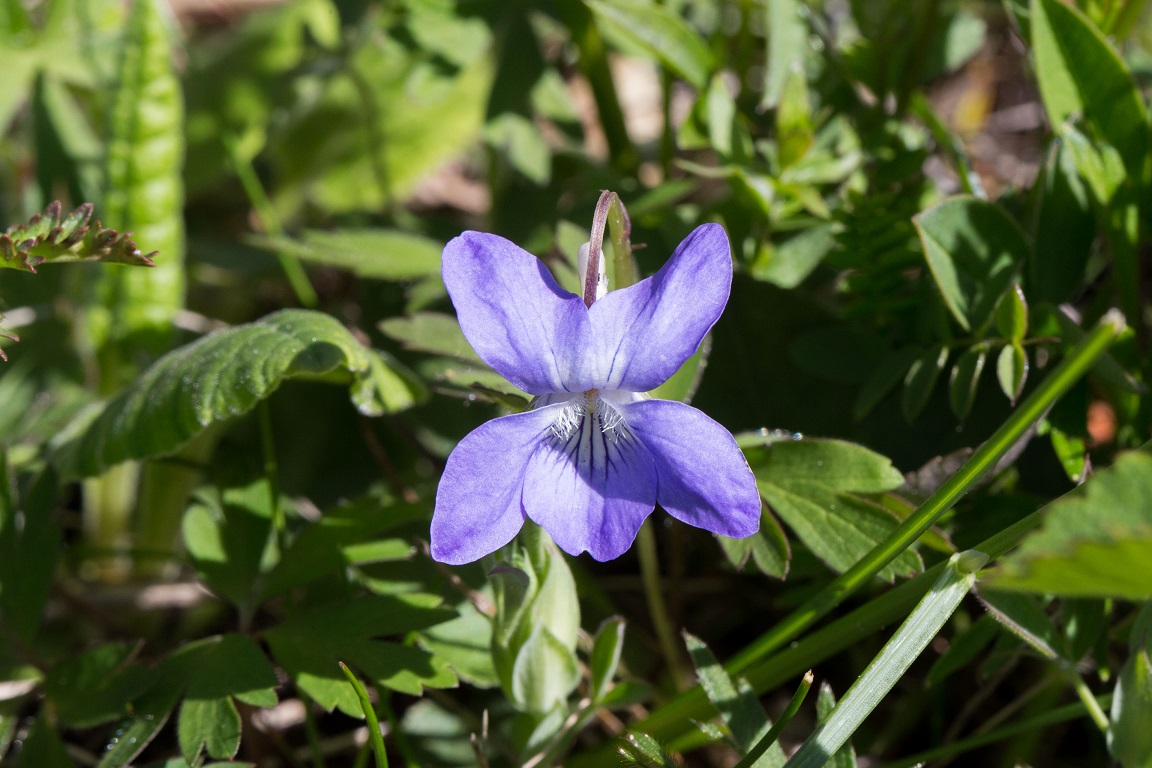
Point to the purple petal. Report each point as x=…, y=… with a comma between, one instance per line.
x=702, y=477
x=524, y=325
x=478, y=502
x=592, y=489
x=642, y=334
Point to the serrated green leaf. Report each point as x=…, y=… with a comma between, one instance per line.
x=965, y=380
x=1080, y=75
x=920, y=381
x=1095, y=542
x=310, y=645
x=814, y=485
x=975, y=252
x=1012, y=370
x=232, y=665
x=380, y=254
x=52, y=237
x=219, y=377
x=659, y=32
x=208, y=725
x=1012, y=315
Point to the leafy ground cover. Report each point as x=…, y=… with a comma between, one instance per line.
x=235, y=379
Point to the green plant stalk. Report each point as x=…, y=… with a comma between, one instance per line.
x=665, y=633
x=375, y=738
x=1089, y=700
x=673, y=717
x=894, y=659
x=773, y=734
x=270, y=223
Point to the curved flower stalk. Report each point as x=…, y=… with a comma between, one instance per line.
x=594, y=453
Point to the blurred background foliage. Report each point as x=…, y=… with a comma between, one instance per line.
x=219, y=470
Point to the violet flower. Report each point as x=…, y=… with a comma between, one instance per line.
x=593, y=454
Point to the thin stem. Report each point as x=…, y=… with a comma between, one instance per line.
x=1074, y=366
x=785, y=718
x=270, y=222
x=398, y=737
x=375, y=737
x=313, y=734
x=272, y=475
x=665, y=632
x=1089, y=700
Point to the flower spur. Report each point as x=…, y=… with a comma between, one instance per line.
x=593, y=454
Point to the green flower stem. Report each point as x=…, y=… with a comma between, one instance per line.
x=1070, y=370
x=270, y=223
x=773, y=734
x=375, y=738
x=764, y=673
x=658, y=609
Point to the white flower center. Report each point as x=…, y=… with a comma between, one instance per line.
x=587, y=412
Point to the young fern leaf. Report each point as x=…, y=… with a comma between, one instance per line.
x=53, y=237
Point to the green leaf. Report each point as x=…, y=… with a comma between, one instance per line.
x=1095, y=542
x=232, y=665
x=845, y=757
x=965, y=380
x=149, y=715
x=144, y=193
x=768, y=548
x=892, y=662
x=311, y=644
x=1080, y=74
x=814, y=485
x=640, y=749
x=350, y=535
x=97, y=686
x=224, y=375
x=605, y=657
x=1129, y=738
x=466, y=643
x=1012, y=370
x=659, y=32
x=793, y=119
x=974, y=251
x=227, y=543
x=920, y=381
x=787, y=41
x=208, y=725
x=379, y=254
x=544, y=673
x=431, y=332
x=1012, y=315
x=52, y=237
x=737, y=703
x=790, y=262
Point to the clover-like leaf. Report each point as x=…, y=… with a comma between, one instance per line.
x=54, y=237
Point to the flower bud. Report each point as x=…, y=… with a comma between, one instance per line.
x=535, y=627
